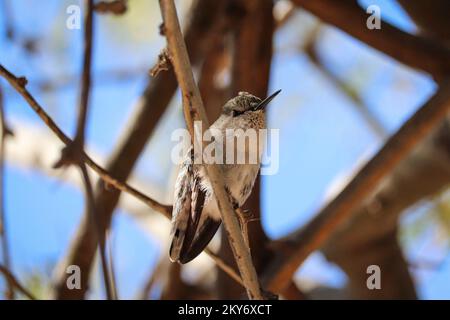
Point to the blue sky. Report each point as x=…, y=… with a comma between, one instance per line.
x=321, y=134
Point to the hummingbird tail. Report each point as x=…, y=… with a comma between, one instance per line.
x=206, y=232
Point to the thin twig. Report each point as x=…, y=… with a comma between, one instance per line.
x=225, y=267
x=304, y=241
x=163, y=63
x=194, y=110
x=79, y=142
x=73, y=152
x=5, y=131
x=98, y=231
x=13, y=280
x=86, y=76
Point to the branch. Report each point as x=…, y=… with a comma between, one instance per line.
x=72, y=153
x=101, y=237
x=430, y=17
x=194, y=110
x=86, y=76
x=224, y=267
x=313, y=236
x=78, y=144
x=414, y=51
x=13, y=280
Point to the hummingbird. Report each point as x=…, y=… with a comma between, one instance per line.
x=195, y=216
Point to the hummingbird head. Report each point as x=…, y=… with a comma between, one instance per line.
x=246, y=102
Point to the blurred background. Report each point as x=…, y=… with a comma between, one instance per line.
x=341, y=100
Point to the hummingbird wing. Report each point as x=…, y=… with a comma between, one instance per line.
x=206, y=230
x=192, y=227
x=181, y=209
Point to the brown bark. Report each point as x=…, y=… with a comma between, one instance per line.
x=430, y=16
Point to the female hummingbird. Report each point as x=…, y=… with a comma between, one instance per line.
x=195, y=216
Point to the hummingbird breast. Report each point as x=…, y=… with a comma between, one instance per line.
x=240, y=173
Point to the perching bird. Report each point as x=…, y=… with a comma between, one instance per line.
x=195, y=216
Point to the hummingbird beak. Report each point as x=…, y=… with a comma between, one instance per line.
x=266, y=101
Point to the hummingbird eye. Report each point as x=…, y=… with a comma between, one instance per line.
x=237, y=113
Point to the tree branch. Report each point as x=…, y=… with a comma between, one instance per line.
x=313, y=236
x=72, y=153
x=414, y=51
x=194, y=110
x=224, y=267
x=10, y=278
x=101, y=238
x=86, y=76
